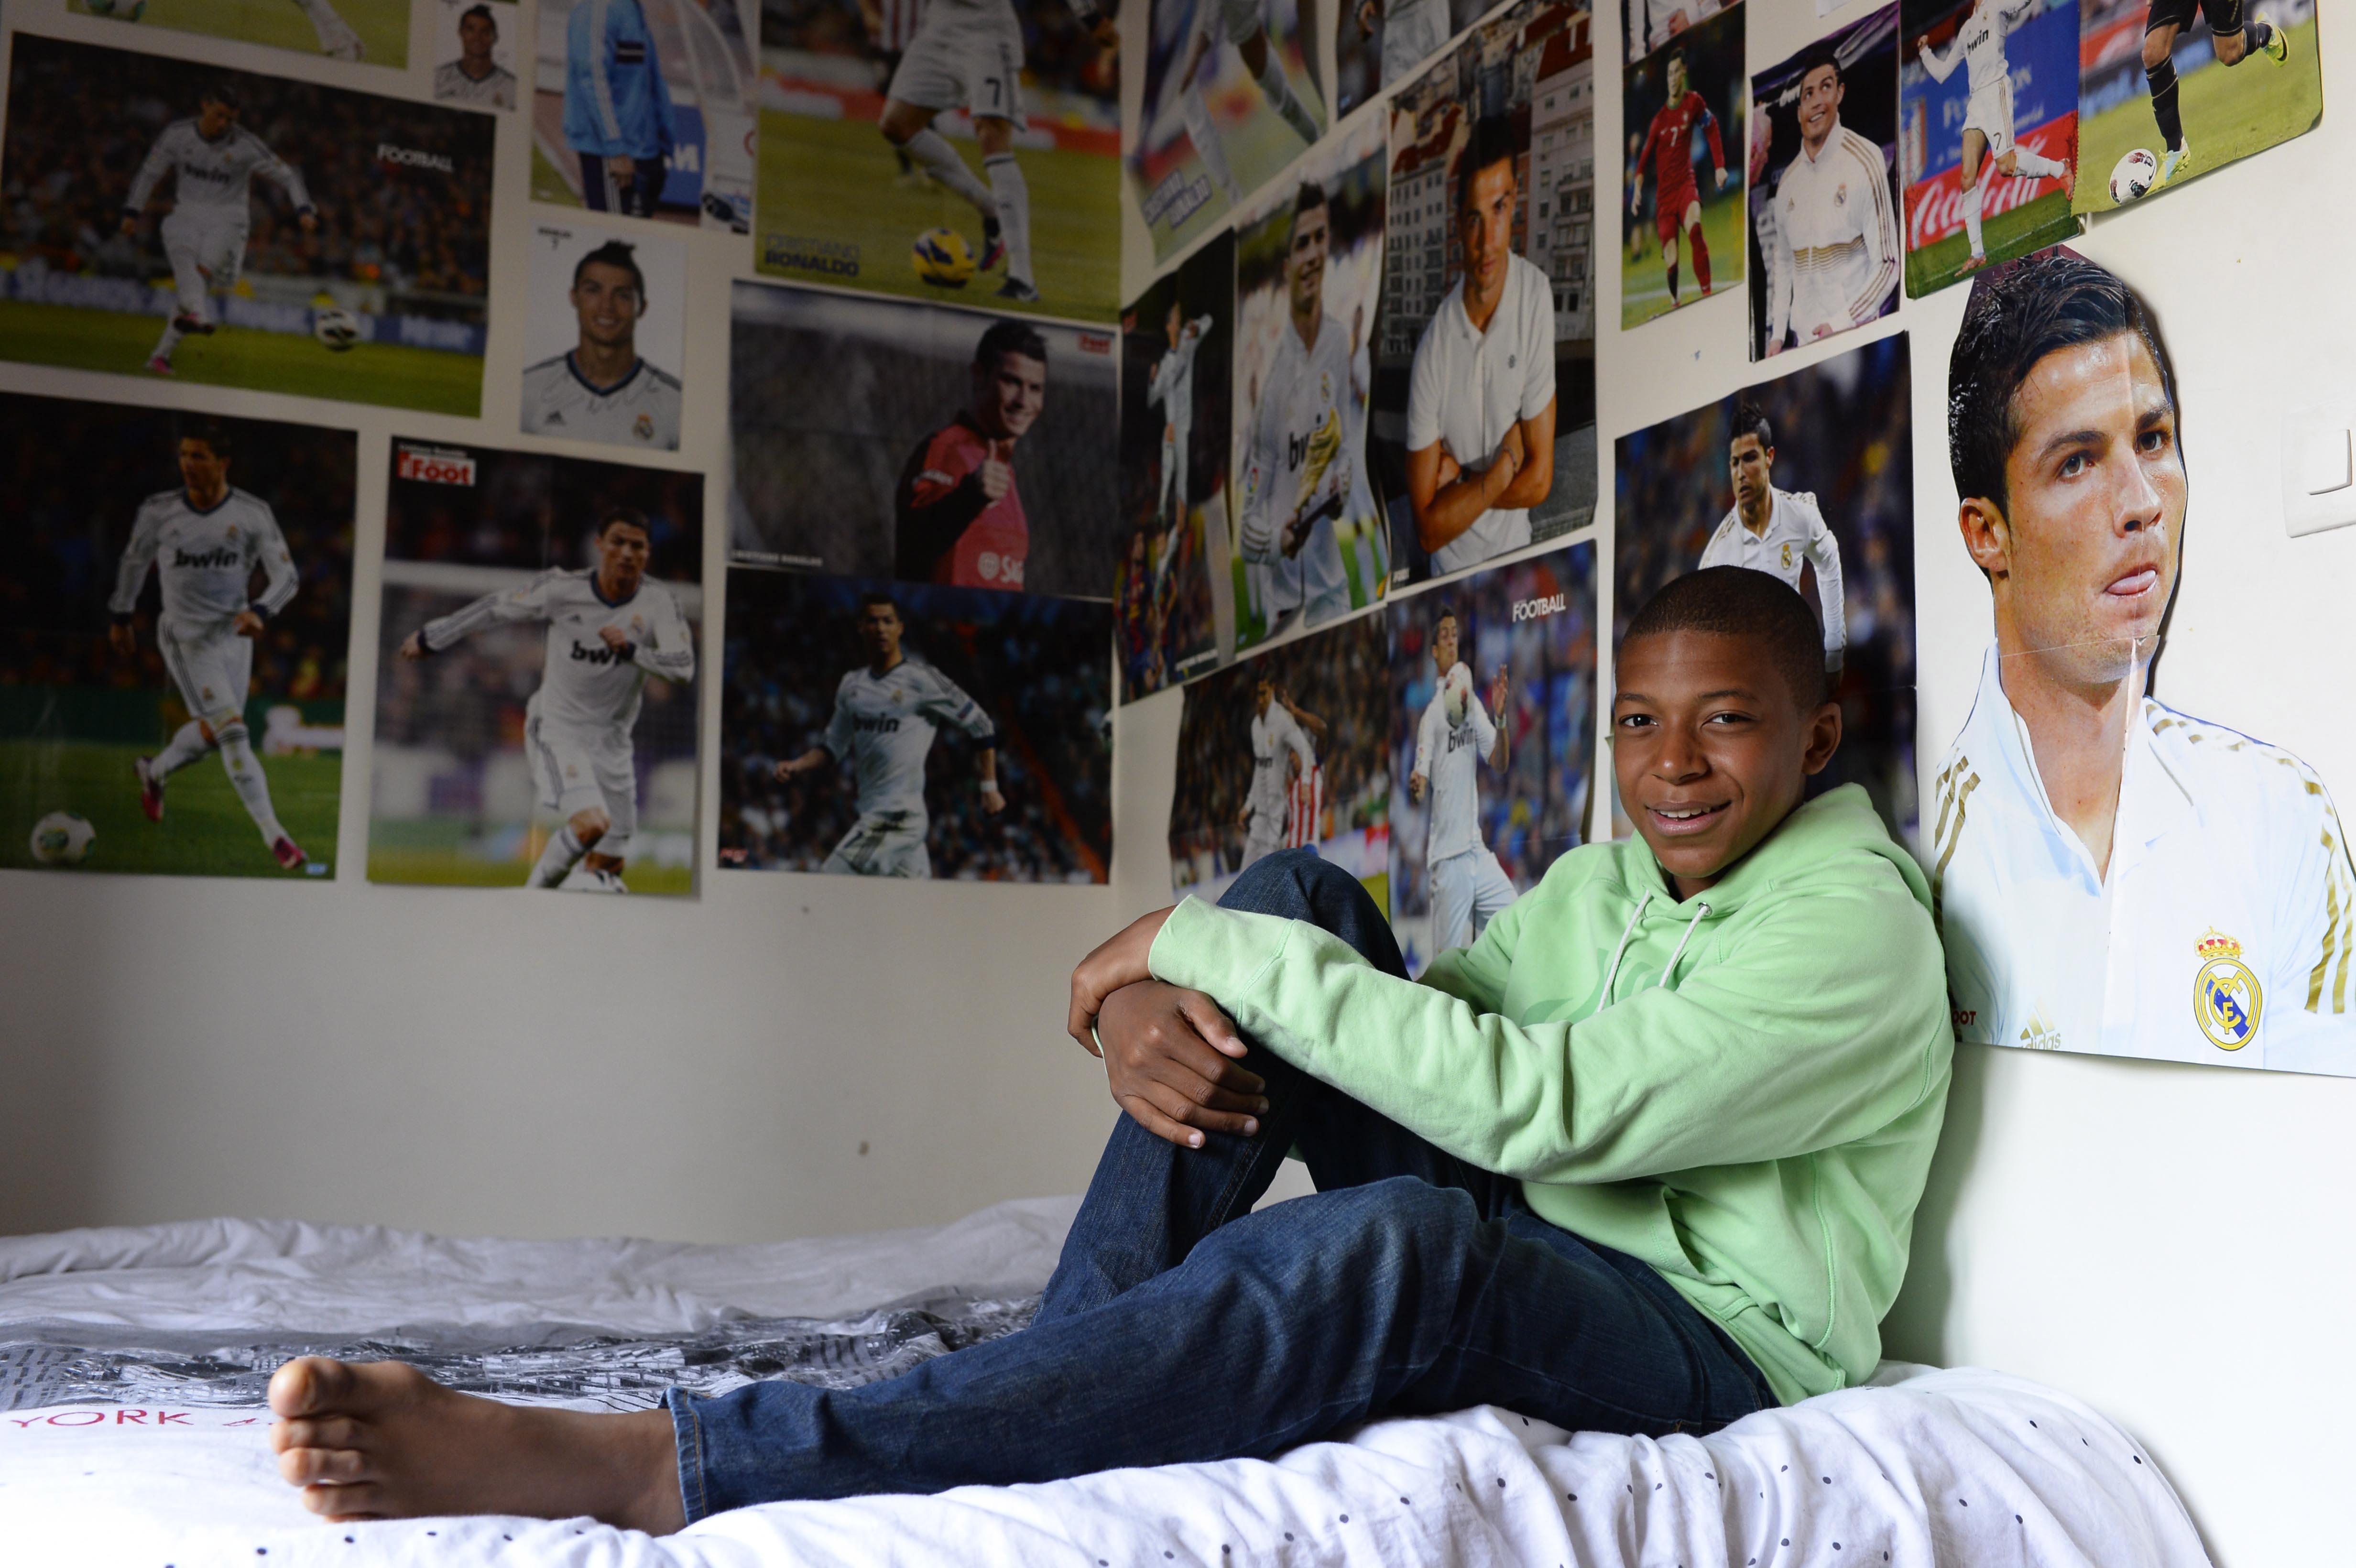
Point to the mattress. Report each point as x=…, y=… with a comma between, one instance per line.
x=132, y=1363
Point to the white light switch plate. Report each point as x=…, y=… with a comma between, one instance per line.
x=2319, y=468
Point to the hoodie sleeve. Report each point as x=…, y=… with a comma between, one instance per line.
x=1814, y=1031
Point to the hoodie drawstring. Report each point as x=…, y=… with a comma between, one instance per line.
x=1611, y=971
x=1668, y=968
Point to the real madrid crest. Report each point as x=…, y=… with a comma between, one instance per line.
x=1840, y=194
x=2226, y=1001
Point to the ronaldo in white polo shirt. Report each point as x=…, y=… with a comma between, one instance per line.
x=2111, y=874
x=1481, y=399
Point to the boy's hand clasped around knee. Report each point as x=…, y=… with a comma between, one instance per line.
x=1170, y=1061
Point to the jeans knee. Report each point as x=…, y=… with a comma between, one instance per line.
x=1299, y=884
x=1403, y=1222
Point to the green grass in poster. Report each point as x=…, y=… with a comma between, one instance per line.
x=1643, y=281
x=2048, y=220
x=832, y=187
x=205, y=830
x=2229, y=113
x=382, y=24
x=444, y=853
x=392, y=374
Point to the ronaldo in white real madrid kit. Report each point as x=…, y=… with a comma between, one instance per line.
x=2111, y=874
x=213, y=160
x=886, y=713
x=1987, y=113
x=1277, y=740
x=1467, y=886
x=204, y=540
x=610, y=628
x=1777, y=531
x=1838, y=253
x=1172, y=387
x=1303, y=461
x=600, y=389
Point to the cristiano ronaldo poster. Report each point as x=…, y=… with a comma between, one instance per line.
x=1682, y=110
x=1491, y=737
x=1288, y=748
x=1827, y=244
x=1809, y=478
x=965, y=150
x=536, y=669
x=375, y=32
x=882, y=438
x=189, y=223
x=879, y=729
x=179, y=592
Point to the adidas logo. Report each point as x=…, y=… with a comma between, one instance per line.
x=2039, y=1034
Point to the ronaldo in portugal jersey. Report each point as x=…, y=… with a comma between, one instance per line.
x=1676, y=203
x=886, y=713
x=608, y=629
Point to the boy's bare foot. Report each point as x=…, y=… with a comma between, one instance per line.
x=382, y=1440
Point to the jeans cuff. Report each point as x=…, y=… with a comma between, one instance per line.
x=688, y=1432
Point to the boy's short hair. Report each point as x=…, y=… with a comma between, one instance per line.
x=1736, y=601
x=2017, y=314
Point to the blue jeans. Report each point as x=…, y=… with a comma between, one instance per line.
x=1181, y=1326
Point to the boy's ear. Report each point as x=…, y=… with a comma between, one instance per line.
x=1820, y=736
x=1988, y=537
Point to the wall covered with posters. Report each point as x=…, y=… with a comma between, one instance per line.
x=965, y=408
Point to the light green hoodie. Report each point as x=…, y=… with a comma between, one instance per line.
x=1742, y=1088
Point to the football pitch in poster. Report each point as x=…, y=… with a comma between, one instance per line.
x=188, y=223
x=947, y=152
x=375, y=32
x=535, y=673
x=913, y=729
x=2271, y=91
x=172, y=689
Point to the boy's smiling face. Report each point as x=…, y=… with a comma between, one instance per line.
x=1710, y=749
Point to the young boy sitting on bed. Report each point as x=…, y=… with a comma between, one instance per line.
x=1644, y=1158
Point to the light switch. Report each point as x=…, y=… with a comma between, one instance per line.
x=2319, y=468
x=2323, y=460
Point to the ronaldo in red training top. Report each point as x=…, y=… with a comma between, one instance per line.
x=958, y=513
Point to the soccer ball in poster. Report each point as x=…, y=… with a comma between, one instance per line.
x=943, y=259
x=2133, y=176
x=335, y=328
x=61, y=838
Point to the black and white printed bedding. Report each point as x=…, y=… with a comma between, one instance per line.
x=132, y=1364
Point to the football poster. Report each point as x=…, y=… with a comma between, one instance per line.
x=1987, y=133
x=604, y=344
x=188, y=223
x=963, y=447
x=1233, y=95
x=1811, y=478
x=1309, y=544
x=537, y=660
x=2105, y=751
x=1683, y=110
x=179, y=593
x=909, y=730
x=374, y=32
x=2162, y=99
x=646, y=107
x=1178, y=343
x=1827, y=236
x=1286, y=749
x=947, y=152
x=1512, y=109
x=1493, y=741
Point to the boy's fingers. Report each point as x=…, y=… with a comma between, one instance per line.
x=1142, y=1112
x=1213, y=1025
x=1184, y=1110
x=1192, y=1088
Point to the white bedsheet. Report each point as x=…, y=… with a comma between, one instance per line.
x=1926, y=1467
